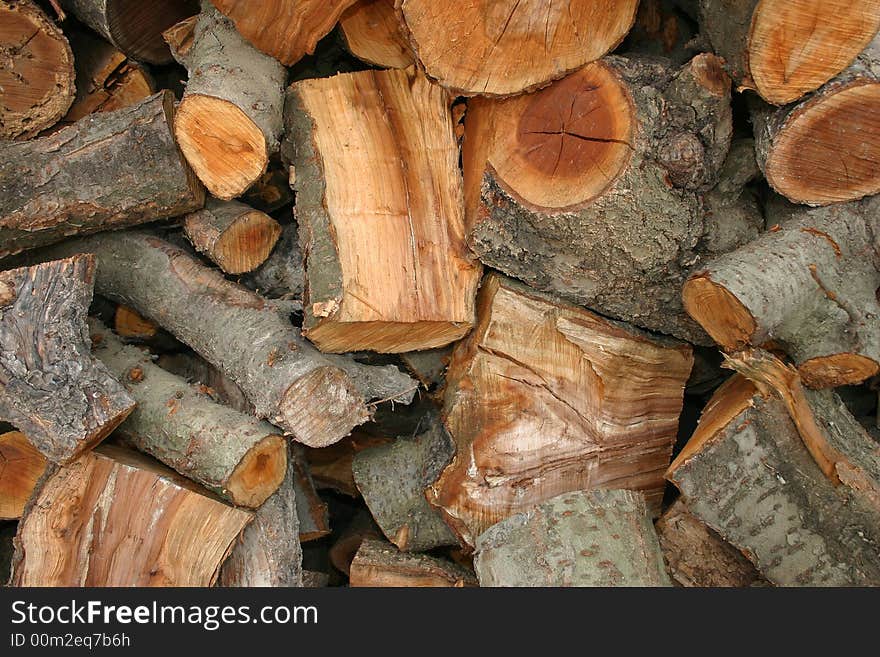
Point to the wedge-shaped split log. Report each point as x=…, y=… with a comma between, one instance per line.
x=392, y=132
x=393, y=479
x=600, y=187
x=585, y=538
x=229, y=120
x=21, y=466
x=108, y=170
x=747, y=473
x=236, y=456
x=825, y=148
x=117, y=518
x=545, y=398
x=505, y=48
x=51, y=387
x=809, y=285
x=316, y=398
x=380, y=564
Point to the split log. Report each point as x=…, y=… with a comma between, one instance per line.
x=315, y=398
x=51, y=387
x=285, y=29
x=604, y=202
x=393, y=479
x=106, y=171
x=282, y=275
x=782, y=48
x=374, y=34
x=232, y=235
x=229, y=121
x=117, y=518
x=808, y=284
x=360, y=529
x=314, y=519
x=500, y=49
x=331, y=467
x=697, y=556
x=36, y=70
x=269, y=553
x=106, y=79
x=21, y=466
x=747, y=474
x=392, y=132
x=134, y=27
x=586, y=538
x=232, y=454
x=545, y=398
x=380, y=564
x=825, y=148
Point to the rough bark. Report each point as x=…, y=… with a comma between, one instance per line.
x=545, y=398
x=51, y=387
x=784, y=49
x=36, y=71
x=269, y=553
x=21, y=466
x=748, y=475
x=117, y=518
x=587, y=538
x=285, y=29
x=380, y=564
x=502, y=49
x=314, y=519
x=393, y=479
x=236, y=456
x=314, y=398
x=606, y=204
x=407, y=205
x=134, y=27
x=331, y=467
x=232, y=235
x=825, y=148
x=808, y=285
x=374, y=34
x=108, y=170
x=696, y=556
x=229, y=121
x=282, y=275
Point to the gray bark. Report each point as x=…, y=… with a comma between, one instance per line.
x=281, y=276
x=51, y=387
x=108, y=170
x=587, y=538
x=727, y=24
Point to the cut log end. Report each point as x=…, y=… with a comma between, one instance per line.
x=373, y=33
x=829, y=151
x=136, y=27
x=36, y=71
x=565, y=145
x=235, y=237
x=719, y=312
x=225, y=148
x=21, y=466
x=493, y=49
x=260, y=472
x=837, y=370
x=384, y=337
x=793, y=49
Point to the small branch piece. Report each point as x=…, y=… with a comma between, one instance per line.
x=51, y=387
x=588, y=538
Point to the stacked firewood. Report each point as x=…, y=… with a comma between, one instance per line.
x=419, y=293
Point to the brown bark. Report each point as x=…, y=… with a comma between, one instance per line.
x=317, y=399
x=134, y=27
x=748, y=475
x=36, y=70
x=696, y=556
x=232, y=235
x=51, y=387
x=407, y=205
x=380, y=564
x=284, y=29
x=585, y=538
x=545, y=398
x=501, y=49
x=117, y=518
x=21, y=466
x=106, y=171
x=374, y=34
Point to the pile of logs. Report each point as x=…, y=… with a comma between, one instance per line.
x=416, y=293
